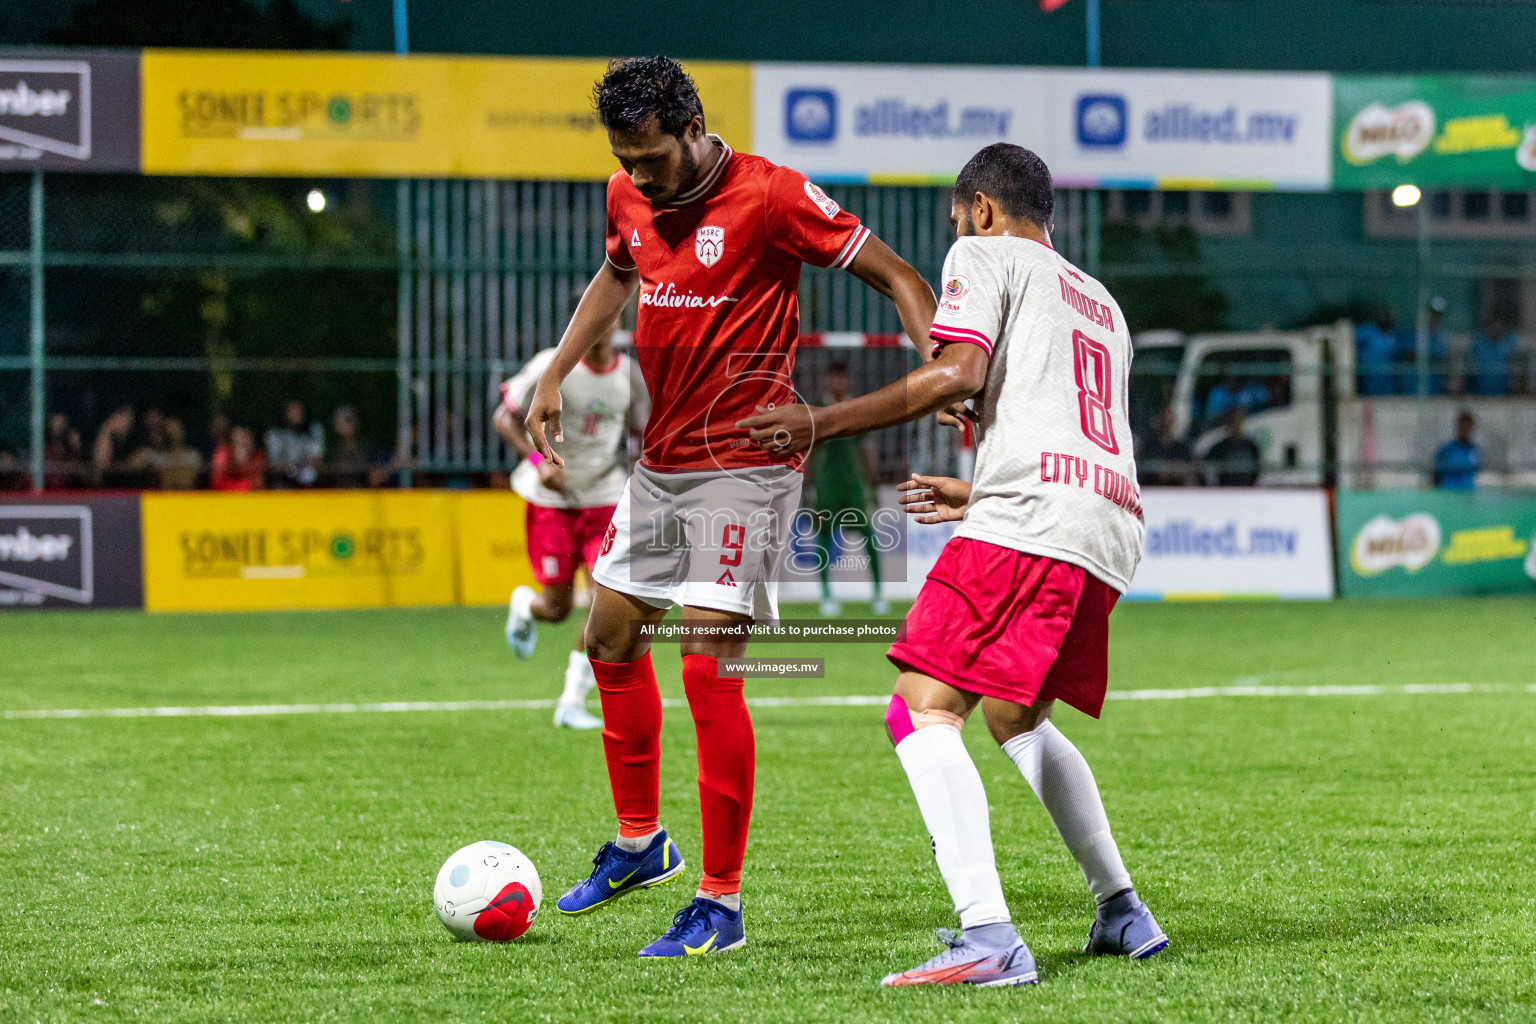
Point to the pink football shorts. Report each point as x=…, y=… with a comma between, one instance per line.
x=1001, y=623
x=559, y=537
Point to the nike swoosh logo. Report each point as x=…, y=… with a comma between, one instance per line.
x=703, y=947
x=614, y=885
x=511, y=897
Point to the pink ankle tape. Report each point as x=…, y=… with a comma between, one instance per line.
x=898, y=720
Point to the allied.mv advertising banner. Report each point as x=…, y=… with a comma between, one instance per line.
x=891, y=124
x=1217, y=543
x=1190, y=129
x=1113, y=128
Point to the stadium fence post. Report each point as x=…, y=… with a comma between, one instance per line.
x=37, y=333
x=403, y=330
x=1093, y=199
x=403, y=453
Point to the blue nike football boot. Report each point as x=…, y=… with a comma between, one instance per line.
x=616, y=872
x=1125, y=927
x=701, y=927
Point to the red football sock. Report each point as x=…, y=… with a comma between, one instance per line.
x=632, y=741
x=727, y=764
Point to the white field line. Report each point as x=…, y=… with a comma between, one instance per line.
x=860, y=701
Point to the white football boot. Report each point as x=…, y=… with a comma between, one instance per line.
x=571, y=712
x=521, y=634
x=575, y=716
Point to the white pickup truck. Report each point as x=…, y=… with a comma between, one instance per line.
x=1310, y=433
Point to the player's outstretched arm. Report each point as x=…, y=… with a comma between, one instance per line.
x=599, y=310
x=934, y=499
x=878, y=266
x=955, y=374
x=511, y=430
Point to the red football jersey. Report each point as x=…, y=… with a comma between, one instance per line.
x=719, y=312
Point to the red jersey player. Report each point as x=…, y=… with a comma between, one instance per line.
x=714, y=240
x=1015, y=614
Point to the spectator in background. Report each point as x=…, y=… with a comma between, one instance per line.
x=1165, y=460
x=1459, y=459
x=1234, y=460
x=1375, y=356
x=390, y=471
x=1438, y=365
x=1250, y=395
x=294, y=451
x=1221, y=398
x=63, y=455
x=175, y=465
x=13, y=475
x=237, y=464
x=349, y=462
x=111, y=451
x=151, y=430
x=1490, y=355
x=218, y=431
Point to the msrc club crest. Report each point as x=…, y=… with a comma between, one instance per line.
x=709, y=244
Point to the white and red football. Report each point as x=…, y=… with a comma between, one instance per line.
x=487, y=892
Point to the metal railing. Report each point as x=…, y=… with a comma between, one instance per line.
x=217, y=300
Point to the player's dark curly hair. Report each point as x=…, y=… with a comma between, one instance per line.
x=1012, y=177
x=636, y=89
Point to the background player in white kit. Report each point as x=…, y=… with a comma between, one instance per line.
x=570, y=506
x=1015, y=613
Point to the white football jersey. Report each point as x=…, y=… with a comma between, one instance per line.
x=1055, y=474
x=597, y=412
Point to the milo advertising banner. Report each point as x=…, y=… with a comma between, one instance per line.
x=1436, y=543
x=1463, y=131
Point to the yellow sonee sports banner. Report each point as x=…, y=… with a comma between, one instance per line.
x=493, y=546
x=280, y=549
x=332, y=549
x=359, y=115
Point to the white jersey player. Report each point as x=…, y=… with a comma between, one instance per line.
x=1016, y=610
x=570, y=506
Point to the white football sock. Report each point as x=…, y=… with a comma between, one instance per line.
x=634, y=844
x=954, y=805
x=1064, y=783
x=579, y=679
x=728, y=900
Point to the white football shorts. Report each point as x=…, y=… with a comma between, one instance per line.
x=713, y=539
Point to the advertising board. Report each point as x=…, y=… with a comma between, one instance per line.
x=1134, y=129
x=1460, y=131
x=1213, y=543
x=71, y=552
x=69, y=110
x=363, y=115
x=493, y=546
x=1436, y=543
x=277, y=549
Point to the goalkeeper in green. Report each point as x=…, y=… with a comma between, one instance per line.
x=844, y=486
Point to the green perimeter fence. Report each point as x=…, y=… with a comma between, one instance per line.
x=216, y=300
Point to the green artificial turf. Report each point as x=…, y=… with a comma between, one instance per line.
x=1329, y=858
